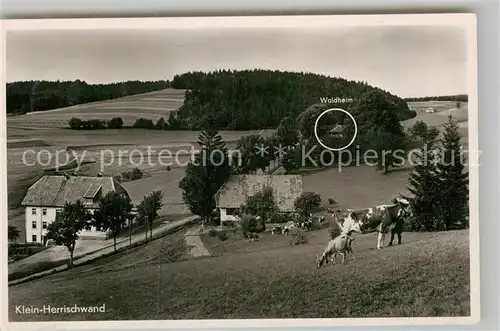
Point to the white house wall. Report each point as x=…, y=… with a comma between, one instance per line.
x=50, y=216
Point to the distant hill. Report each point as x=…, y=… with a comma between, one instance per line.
x=257, y=99
x=29, y=96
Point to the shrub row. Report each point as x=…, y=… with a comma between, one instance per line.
x=95, y=124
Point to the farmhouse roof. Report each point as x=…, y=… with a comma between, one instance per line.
x=286, y=189
x=337, y=129
x=55, y=191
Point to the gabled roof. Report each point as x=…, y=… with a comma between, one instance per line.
x=286, y=189
x=337, y=129
x=55, y=191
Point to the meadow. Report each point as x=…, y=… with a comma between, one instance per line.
x=427, y=275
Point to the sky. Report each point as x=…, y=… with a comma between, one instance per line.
x=404, y=60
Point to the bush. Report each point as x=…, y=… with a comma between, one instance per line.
x=331, y=201
x=298, y=237
x=136, y=174
x=115, y=123
x=212, y=233
x=251, y=224
x=143, y=123
x=282, y=218
x=307, y=202
x=118, y=178
x=75, y=123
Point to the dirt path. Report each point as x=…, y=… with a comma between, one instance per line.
x=193, y=240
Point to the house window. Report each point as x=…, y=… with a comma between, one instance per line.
x=44, y=211
x=33, y=224
x=44, y=225
x=33, y=238
x=33, y=211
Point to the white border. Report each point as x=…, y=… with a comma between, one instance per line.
x=468, y=21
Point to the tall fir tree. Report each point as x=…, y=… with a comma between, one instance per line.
x=425, y=189
x=205, y=174
x=453, y=207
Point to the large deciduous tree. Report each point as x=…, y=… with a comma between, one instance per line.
x=148, y=210
x=72, y=219
x=113, y=214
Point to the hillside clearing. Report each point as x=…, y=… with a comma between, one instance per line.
x=428, y=275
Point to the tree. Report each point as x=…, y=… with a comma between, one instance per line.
x=148, y=210
x=115, y=123
x=307, y=119
x=286, y=132
x=292, y=159
x=254, y=154
x=13, y=233
x=72, y=219
x=261, y=204
x=205, y=175
x=113, y=214
x=173, y=121
x=307, y=202
x=453, y=207
x=420, y=133
x=379, y=127
x=161, y=124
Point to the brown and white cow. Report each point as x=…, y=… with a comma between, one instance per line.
x=384, y=218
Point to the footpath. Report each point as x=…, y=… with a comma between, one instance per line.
x=89, y=250
x=193, y=240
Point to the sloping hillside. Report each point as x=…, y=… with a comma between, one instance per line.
x=151, y=105
x=428, y=275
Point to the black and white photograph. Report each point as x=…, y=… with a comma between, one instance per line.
x=240, y=171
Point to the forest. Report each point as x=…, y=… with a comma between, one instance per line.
x=29, y=96
x=258, y=99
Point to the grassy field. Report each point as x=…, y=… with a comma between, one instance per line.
x=152, y=105
x=428, y=275
x=443, y=109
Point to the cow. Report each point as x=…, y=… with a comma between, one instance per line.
x=306, y=225
x=252, y=236
x=288, y=227
x=277, y=230
x=384, y=218
x=340, y=244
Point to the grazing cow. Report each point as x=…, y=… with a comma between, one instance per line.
x=288, y=227
x=306, y=225
x=277, y=230
x=252, y=236
x=340, y=244
x=384, y=218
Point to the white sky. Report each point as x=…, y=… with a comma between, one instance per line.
x=405, y=60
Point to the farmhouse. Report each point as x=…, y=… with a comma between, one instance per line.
x=336, y=131
x=233, y=194
x=49, y=194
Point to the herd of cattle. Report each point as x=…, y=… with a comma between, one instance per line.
x=382, y=219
